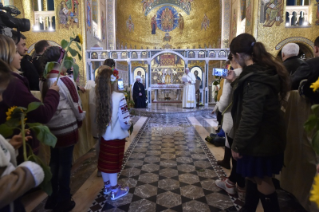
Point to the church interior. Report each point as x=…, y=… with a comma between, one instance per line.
x=168, y=165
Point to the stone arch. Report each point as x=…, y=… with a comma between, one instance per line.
x=306, y=46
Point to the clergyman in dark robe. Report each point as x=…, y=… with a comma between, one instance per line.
x=139, y=96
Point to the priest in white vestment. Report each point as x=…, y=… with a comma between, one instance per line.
x=189, y=80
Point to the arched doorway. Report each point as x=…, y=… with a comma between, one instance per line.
x=305, y=52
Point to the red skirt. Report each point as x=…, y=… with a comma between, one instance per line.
x=111, y=155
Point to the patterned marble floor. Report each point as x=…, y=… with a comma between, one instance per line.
x=168, y=168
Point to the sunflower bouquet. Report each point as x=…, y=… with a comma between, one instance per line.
x=16, y=120
x=67, y=61
x=312, y=126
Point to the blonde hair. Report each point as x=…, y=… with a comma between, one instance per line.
x=7, y=49
x=103, y=91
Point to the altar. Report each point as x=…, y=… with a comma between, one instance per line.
x=165, y=87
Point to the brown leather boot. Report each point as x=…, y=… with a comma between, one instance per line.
x=226, y=161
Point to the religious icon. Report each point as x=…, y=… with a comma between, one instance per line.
x=167, y=37
x=63, y=15
x=153, y=25
x=129, y=24
x=88, y=16
x=233, y=25
x=205, y=23
x=272, y=11
x=317, y=12
x=167, y=20
x=181, y=23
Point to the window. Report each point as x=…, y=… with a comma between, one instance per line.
x=297, y=13
x=44, y=15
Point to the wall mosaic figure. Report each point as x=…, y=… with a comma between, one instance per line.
x=271, y=12
x=167, y=18
x=154, y=25
x=129, y=24
x=88, y=17
x=181, y=23
x=167, y=37
x=149, y=5
x=243, y=9
x=205, y=23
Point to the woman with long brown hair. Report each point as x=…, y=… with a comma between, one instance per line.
x=64, y=125
x=113, y=122
x=18, y=92
x=259, y=129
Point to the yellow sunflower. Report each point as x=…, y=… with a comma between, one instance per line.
x=314, y=197
x=315, y=85
x=9, y=112
x=79, y=39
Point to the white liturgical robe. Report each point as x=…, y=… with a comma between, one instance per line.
x=189, y=99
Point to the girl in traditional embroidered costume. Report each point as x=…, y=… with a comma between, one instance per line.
x=64, y=125
x=113, y=123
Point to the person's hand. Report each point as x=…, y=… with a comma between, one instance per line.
x=236, y=155
x=55, y=87
x=231, y=76
x=82, y=89
x=189, y=82
x=183, y=82
x=16, y=140
x=213, y=112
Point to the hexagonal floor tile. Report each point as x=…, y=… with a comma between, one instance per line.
x=168, y=172
x=168, y=145
x=207, y=173
x=218, y=200
x=153, y=152
x=152, y=159
x=168, y=163
x=188, y=178
x=209, y=185
x=148, y=178
x=184, y=160
x=155, y=147
x=169, y=199
x=140, y=149
x=198, y=156
x=156, y=138
x=182, y=153
x=142, y=205
x=134, y=163
x=150, y=167
x=130, y=172
x=168, y=150
x=145, y=191
x=192, y=192
x=195, y=206
x=168, y=156
x=158, y=143
x=169, y=140
x=130, y=182
x=202, y=164
x=168, y=184
x=186, y=168
x=137, y=155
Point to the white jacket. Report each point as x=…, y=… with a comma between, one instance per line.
x=121, y=121
x=224, y=105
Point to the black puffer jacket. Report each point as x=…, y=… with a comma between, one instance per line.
x=258, y=120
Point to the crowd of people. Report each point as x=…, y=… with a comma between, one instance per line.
x=250, y=113
x=249, y=105
x=61, y=111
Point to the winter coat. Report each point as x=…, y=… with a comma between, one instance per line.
x=259, y=128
